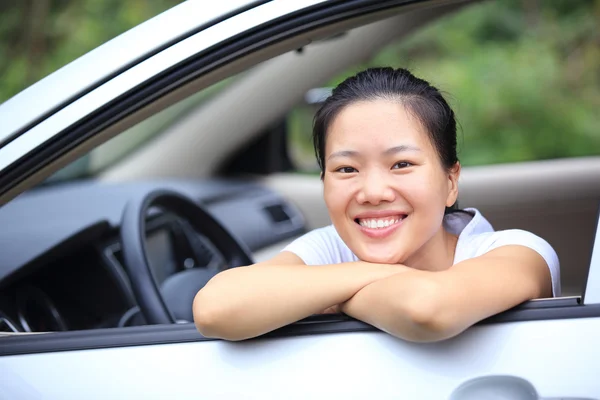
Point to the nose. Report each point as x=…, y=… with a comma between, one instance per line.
x=375, y=189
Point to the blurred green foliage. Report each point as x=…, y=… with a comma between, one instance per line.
x=523, y=77
x=38, y=37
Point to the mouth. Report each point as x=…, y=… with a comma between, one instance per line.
x=382, y=222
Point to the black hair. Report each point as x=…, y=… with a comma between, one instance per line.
x=418, y=96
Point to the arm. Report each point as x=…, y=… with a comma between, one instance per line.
x=429, y=306
x=245, y=302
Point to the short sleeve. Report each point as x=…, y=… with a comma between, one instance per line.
x=536, y=243
x=321, y=246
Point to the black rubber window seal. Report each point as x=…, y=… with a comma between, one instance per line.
x=186, y=333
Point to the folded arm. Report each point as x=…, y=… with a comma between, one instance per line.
x=245, y=302
x=429, y=306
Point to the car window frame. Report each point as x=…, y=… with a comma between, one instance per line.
x=164, y=64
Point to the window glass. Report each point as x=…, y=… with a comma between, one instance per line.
x=522, y=76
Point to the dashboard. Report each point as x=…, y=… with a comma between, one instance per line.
x=61, y=263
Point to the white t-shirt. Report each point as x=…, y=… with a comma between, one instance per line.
x=476, y=236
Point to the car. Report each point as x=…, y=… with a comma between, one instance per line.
x=134, y=174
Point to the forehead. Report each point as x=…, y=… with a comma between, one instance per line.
x=374, y=123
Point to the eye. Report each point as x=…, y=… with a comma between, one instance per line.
x=401, y=164
x=346, y=170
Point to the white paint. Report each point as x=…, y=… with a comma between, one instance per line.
x=559, y=358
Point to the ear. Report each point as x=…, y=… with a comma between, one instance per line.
x=453, y=176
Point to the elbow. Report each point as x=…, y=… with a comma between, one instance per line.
x=212, y=320
x=427, y=315
x=427, y=326
x=213, y=311
x=206, y=316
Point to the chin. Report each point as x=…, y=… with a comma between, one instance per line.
x=378, y=257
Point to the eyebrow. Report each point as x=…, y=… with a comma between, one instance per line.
x=390, y=151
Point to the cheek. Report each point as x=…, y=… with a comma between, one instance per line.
x=333, y=195
x=425, y=189
x=338, y=195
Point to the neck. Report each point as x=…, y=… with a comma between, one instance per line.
x=435, y=255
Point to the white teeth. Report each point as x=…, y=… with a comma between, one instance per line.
x=378, y=223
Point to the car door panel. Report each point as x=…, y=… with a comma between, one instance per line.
x=547, y=354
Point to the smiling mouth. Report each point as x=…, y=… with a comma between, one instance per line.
x=379, y=223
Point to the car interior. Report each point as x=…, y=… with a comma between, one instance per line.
x=223, y=143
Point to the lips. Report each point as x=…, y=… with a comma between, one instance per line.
x=380, y=224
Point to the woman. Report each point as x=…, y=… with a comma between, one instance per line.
x=397, y=255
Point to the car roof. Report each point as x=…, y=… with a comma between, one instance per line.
x=93, y=68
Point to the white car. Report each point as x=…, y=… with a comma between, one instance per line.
x=119, y=201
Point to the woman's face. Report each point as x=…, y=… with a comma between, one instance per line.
x=384, y=184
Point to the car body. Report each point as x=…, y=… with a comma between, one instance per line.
x=63, y=276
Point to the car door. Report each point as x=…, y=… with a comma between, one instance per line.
x=541, y=349
x=546, y=352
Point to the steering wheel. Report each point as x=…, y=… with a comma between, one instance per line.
x=172, y=301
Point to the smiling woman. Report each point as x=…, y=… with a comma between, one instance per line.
x=397, y=255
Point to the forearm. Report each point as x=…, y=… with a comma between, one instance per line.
x=429, y=306
x=245, y=302
x=404, y=306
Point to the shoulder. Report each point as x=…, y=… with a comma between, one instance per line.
x=478, y=236
x=484, y=242
x=321, y=246
x=480, y=241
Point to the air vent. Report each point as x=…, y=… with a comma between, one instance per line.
x=7, y=326
x=278, y=213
